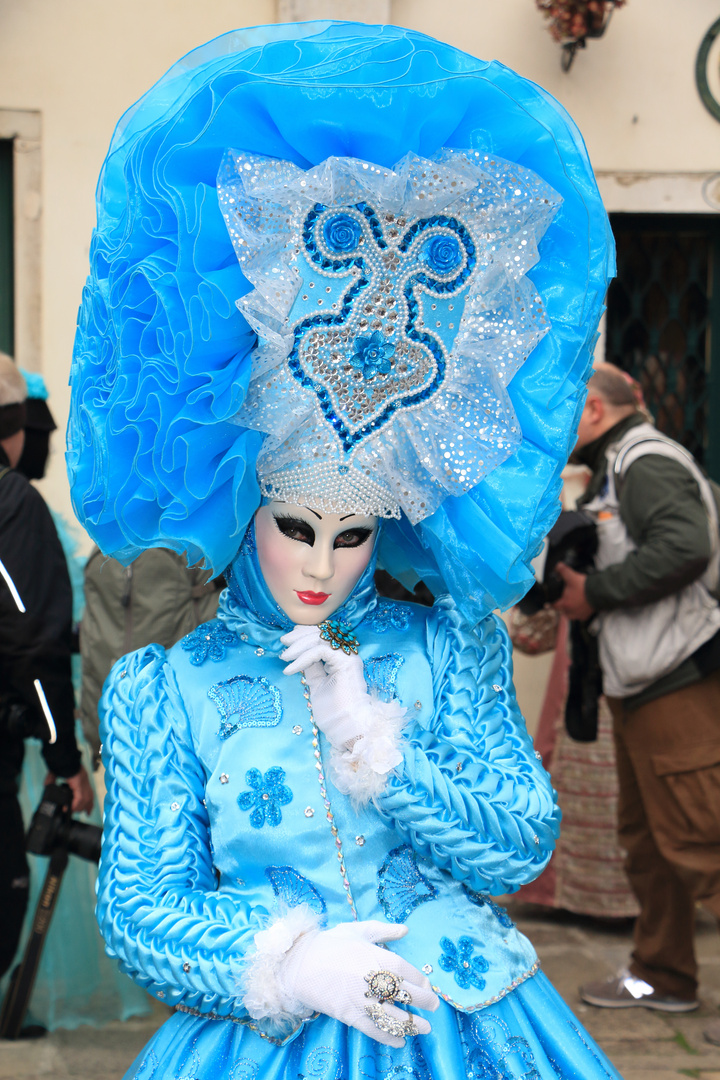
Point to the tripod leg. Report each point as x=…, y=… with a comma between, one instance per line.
x=17, y=998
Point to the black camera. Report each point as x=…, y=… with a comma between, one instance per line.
x=53, y=827
x=573, y=541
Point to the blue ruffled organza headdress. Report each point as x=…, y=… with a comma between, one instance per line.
x=345, y=262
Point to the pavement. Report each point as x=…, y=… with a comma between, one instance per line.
x=642, y=1044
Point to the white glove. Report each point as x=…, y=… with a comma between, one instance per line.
x=326, y=970
x=342, y=708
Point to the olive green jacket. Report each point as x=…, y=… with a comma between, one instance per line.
x=157, y=599
x=662, y=510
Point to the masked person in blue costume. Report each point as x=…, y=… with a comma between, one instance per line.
x=344, y=290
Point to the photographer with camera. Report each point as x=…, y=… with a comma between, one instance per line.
x=36, y=692
x=652, y=601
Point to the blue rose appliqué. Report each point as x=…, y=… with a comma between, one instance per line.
x=342, y=233
x=372, y=355
x=442, y=254
x=267, y=794
x=468, y=969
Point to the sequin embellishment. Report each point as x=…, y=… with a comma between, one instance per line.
x=292, y=888
x=500, y=1052
x=381, y=674
x=267, y=794
x=389, y=616
x=403, y=360
x=379, y=294
x=402, y=887
x=467, y=968
x=485, y=900
x=208, y=641
x=244, y=702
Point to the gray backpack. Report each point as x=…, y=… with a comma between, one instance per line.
x=657, y=443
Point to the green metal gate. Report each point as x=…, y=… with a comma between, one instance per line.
x=663, y=323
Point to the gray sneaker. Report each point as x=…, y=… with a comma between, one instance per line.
x=624, y=991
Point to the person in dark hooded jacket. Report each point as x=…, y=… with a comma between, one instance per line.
x=36, y=692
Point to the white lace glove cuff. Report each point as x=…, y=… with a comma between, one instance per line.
x=262, y=990
x=362, y=771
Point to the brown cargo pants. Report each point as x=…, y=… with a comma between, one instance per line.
x=668, y=760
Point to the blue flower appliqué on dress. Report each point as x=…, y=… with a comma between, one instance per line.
x=402, y=887
x=292, y=888
x=468, y=969
x=381, y=674
x=267, y=794
x=389, y=616
x=485, y=900
x=249, y=702
x=209, y=640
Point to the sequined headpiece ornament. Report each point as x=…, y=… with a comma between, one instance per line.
x=322, y=131
x=392, y=310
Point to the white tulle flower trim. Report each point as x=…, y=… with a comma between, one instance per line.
x=362, y=771
x=262, y=991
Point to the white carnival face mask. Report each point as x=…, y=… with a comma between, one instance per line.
x=311, y=561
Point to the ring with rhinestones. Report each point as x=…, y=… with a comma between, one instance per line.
x=385, y=986
x=339, y=635
x=390, y=1024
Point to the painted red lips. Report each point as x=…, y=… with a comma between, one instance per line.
x=313, y=597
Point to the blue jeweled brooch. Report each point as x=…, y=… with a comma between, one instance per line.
x=339, y=635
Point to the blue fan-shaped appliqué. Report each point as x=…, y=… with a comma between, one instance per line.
x=292, y=888
x=209, y=641
x=402, y=887
x=485, y=900
x=266, y=795
x=381, y=673
x=389, y=616
x=245, y=702
x=467, y=967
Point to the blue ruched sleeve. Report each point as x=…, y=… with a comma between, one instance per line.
x=471, y=793
x=158, y=907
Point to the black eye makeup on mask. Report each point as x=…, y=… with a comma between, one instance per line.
x=352, y=538
x=295, y=528
x=298, y=529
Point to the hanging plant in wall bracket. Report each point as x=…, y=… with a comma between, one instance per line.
x=572, y=22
